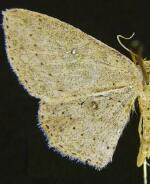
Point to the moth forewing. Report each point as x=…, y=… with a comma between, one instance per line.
x=85, y=86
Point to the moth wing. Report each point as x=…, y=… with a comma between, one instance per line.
x=54, y=61
x=87, y=129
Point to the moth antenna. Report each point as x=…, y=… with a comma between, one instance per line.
x=126, y=38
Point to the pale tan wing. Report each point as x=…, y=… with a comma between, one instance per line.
x=74, y=75
x=88, y=128
x=54, y=60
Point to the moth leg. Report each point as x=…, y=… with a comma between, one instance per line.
x=140, y=128
x=145, y=171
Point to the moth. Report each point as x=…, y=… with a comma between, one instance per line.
x=86, y=88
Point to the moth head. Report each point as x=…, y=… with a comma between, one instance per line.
x=136, y=52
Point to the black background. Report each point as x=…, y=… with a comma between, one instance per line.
x=24, y=155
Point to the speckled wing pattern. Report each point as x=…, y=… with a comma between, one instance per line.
x=86, y=88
